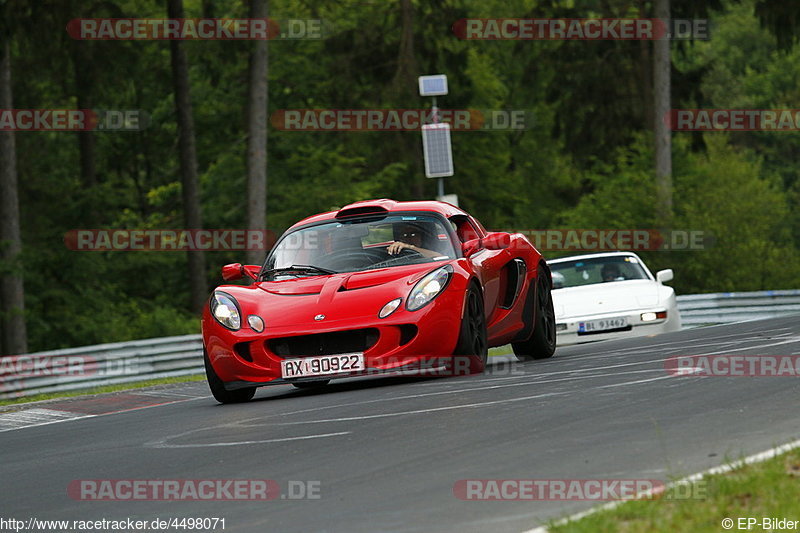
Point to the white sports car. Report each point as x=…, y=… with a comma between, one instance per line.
x=609, y=296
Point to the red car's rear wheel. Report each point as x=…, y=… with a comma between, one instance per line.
x=542, y=342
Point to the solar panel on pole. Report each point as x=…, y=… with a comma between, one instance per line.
x=435, y=85
x=437, y=150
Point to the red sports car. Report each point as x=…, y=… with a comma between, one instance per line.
x=377, y=287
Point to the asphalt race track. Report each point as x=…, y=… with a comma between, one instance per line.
x=385, y=453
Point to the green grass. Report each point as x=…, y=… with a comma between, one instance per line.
x=766, y=489
x=501, y=350
x=106, y=388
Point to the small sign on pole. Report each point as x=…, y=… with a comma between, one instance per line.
x=437, y=150
x=435, y=85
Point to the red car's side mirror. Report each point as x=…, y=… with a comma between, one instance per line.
x=471, y=247
x=236, y=271
x=497, y=241
x=233, y=272
x=252, y=271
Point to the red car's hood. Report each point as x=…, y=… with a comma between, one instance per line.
x=345, y=281
x=344, y=296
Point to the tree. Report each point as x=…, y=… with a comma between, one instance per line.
x=257, y=133
x=12, y=290
x=663, y=136
x=188, y=159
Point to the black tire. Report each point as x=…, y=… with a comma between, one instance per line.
x=305, y=385
x=218, y=388
x=473, y=339
x=542, y=342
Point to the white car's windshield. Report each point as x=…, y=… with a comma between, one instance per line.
x=596, y=270
x=363, y=244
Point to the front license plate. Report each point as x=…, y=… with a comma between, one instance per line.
x=603, y=324
x=323, y=365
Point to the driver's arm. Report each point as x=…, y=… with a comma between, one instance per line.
x=397, y=246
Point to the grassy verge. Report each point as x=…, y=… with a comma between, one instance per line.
x=500, y=350
x=106, y=388
x=768, y=489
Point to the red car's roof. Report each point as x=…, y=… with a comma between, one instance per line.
x=387, y=205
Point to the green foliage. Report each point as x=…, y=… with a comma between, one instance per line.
x=584, y=162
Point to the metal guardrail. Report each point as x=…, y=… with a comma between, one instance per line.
x=728, y=307
x=103, y=364
x=128, y=362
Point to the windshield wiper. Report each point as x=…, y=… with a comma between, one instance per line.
x=306, y=269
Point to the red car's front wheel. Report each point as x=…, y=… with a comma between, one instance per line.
x=472, y=340
x=218, y=388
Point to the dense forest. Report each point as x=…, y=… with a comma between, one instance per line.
x=584, y=160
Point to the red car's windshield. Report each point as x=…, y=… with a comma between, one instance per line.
x=363, y=244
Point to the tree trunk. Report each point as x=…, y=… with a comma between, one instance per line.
x=646, y=75
x=188, y=160
x=12, y=290
x=403, y=91
x=257, y=100
x=86, y=140
x=661, y=104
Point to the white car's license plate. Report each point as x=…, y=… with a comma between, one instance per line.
x=323, y=365
x=603, y=324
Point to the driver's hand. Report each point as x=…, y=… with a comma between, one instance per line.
x=397, y=246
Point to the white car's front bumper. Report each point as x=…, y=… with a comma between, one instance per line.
x=569, y=329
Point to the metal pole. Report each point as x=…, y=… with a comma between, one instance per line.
x=435, y=117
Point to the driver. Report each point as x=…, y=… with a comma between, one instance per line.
x=409, y=237
x=611, y=272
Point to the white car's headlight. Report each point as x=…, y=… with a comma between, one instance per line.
x=651, y=316
x=225, y=310
x=429, y=288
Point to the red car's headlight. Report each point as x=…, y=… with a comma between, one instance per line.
x=225, y=310
x=429, y=288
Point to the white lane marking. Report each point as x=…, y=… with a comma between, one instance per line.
x=464, y=406
x=423, y=411
x=27, y=418
x=16, y=419
x=740, y=337
x=591, y=369
x=611, y=386
x=794, y=340
x=721, y=469
x=454, y=391
x=736, y=342
x=164, y=444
